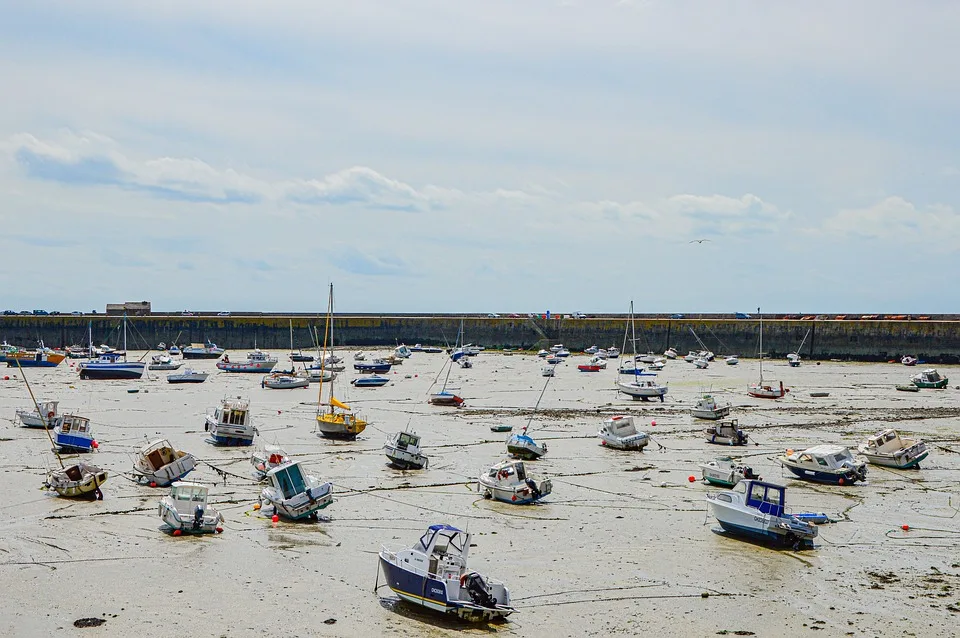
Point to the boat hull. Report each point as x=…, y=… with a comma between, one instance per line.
x=78, y=481
x=119, y=371
x=205, y=354
x=755, y=526
x=186, y=378
x=300, y=506
x=848, y=477
x=894, y=461
x=336, y=427
x=405, y=460
x=642, y=392
x=256, y=366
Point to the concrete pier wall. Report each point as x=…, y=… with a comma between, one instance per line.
x=867, y=340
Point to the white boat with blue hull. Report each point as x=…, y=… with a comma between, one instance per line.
x=230, y=424
x=73, y=434
x=825, y=464
x=294, y=494
x=757, y=509
x=434, y=574
x=111, y=365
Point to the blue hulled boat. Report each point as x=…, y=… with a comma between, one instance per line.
x=756, y=509
x=373, y=381
x=378, y=366
x=73, y=434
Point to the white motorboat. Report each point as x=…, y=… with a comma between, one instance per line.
x=658, y=364
x=825, y=464
x=909, y=360
x=725, y=472
x=403, y=450
x=185, y=510
x=889, y=449
x=543, y=353
x=548, y=371
x=670, y=353
x=508, y=482
x=78, y=480
x=524, y=447
x=647, y=357
x=433, y=574
x=188, y=375
x=691, y=356
x=230, y=423
x=613, y=352
x=359, y=355
x=701, y=362
x=265, y=460
x=601, y=354
x=294, y=494
x=159, y=464
x=756, y=509
x=708, y=408
x=163, y=362
x=642, y=388
x=48, y=416
x=314, y=374
x=726, y=433
x=284, y=381
x=591, y=350
x=620, y=433
x=793, y=360
x=557, y=347
x=402, y=351
x=563, y=353
x=731, y=360
x=256, y=361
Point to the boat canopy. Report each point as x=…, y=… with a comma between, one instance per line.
x=766, y=497
x=75, y=424
x=183, y=491
x=445, y=539
x=288, y=479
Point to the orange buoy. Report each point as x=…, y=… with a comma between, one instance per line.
x=6, y=378
x=256, y=507
x=905, y=528
x=275, y=518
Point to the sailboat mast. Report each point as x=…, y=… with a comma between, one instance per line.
x=90, y=337
x=633, y=341
x=761, y=345
x=43, y=417
x=323, y=357
x=124, y=337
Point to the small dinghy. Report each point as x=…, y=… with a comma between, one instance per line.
x=230, y=424
x=403, y=450
x=284, y=381
x=524, y=447
x=373, y=381
x=159, y=464
x=543, y=353
x=620, y=433
x=433, y=574
x=889, y=449
x=501, y=427
x=294, y=494
x=825, y=464
x=725, y=472
x=446, y=398
x=188, y=376
x=508, y=482
x=708, y=408
x=185, y=510
x=908, y=388
x=73, y=434
x=163, y=362
x=265, y=460
x=726, y=433
x=80, y=480
x=755, y=509
x=929, y=378
x=46, y=418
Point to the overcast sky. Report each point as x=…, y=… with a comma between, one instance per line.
x=495, y=155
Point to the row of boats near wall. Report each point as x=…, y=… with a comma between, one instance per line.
x=433, y=571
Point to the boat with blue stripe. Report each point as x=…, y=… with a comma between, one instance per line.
x=378, y=366
x=433, y=573
x=756, y=509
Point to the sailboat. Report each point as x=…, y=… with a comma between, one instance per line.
x=109, y=365
x=765, y=389
x=81, y=479
x=445, y=397
x=298, y=356
x=640, y=389
x=334, y=424
x=794, y=357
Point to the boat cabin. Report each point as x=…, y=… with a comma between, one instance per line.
x=406, y=440
x=766, y=497
x=233, y=412
x=159, y=454
x=289, y=479
x=187, y=497
x=885, y=442
x=509, y=470
x=620, y=426
x=827, y=457
x=75, y=425
x=447, y=548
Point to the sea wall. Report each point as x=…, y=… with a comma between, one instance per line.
x=867, y=340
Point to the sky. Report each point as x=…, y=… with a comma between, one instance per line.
x=495, y=156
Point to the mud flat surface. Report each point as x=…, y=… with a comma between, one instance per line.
x=623, y=545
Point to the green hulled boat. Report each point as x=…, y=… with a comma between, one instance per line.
x=930, y=379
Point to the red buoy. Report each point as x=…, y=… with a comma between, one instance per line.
x=219, y=530
x=278, y=412
x=6, y=378
x=691, y=478
x=905, y=528
x=177, y=532
x=653, y=423
x=275, y=518
x=153, y=483
x=841, y=481
x=94, y=444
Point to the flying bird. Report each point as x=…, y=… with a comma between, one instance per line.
x=697, y=241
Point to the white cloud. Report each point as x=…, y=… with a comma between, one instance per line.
x=895, y=218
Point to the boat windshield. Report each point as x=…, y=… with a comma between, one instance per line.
x=290, y=481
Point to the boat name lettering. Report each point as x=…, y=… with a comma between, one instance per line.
x=435, y=590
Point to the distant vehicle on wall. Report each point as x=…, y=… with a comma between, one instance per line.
x=742, y=315
x=223, y=313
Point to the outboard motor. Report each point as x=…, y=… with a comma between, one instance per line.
x=748, y=473
x=533, y=487
x=478, y=590
x=197, y=517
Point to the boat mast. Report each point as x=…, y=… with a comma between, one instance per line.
x=761, y=345
x=633, y=342
x=90, y=337
x=323, y=358
x=124, y=336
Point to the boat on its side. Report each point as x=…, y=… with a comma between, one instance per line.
x=159, y=464
x=888, y=449
x=185, y=510
x=373, y=381
x=708, y=408
x=294, y=494
x=77, y=481
x=524, y=447
x=231, y=424
x=825, y=464
x=756, y=509
x=509, y=482
x=909, y=360
x=620, y=433
x=726, y=433
x=256, y=361
x=188, y=375
x=433, y=574
x=403, y=450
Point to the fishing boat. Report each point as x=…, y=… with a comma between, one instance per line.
x=701, y=363
x=333, y=424
x=47, y=416
x=638, y=387
x=756, y=509
x=888, y=449
x=284, y=381
x=403, y=450
x=909, y=360
x=373, y=381
x=78, y=480
x=188, y=375
x=265, y=460
x=163, y=362
x=724, y=472
x=294, y=494
x=726, y=433
x=159, y=464
x=39, y=358
x=524, y=447
x=508, y=482
x=670, y=353
x=230, y=424
x=433, y=574
x=256, y=361
x=929, y=378
x=825, y=464
x=185, y=510
x=765, y=389
x=73, y=434
x=708, y=408
x=208, y=350
x=793, y=359
x=620, y=433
